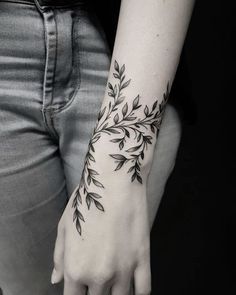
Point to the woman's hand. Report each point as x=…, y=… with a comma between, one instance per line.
x=113, y=251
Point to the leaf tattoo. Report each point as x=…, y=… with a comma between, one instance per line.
x=120, y=122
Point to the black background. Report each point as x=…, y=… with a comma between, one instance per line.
x=192, y=238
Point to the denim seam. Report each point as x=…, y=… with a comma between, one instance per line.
x=74, y=65
x=50, y=60
x=47, y=117
x=75, y=82
x=55, y=57
x=56, y=135
x=48, y=47
x=75, y=72
x=50, y=66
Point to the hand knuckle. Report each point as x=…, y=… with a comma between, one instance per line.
x=72, y=275
x=102, y=277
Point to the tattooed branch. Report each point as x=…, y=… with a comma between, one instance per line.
x=120, y=126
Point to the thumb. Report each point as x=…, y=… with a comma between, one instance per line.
x=58, y=270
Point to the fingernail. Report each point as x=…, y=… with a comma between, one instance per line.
x=53, y=277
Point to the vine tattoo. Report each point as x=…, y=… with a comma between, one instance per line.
x=120, y=126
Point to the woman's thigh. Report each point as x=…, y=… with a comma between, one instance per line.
x=32, y=185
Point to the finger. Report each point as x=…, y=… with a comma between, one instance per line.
x=58, y=271
x=120, y=289
x=123, y=286
x=71, y=288
x=142, y=279
x=101, y=285
x=99, y=290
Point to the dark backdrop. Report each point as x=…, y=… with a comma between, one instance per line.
x=192, y=238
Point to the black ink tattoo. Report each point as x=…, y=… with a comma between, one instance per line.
x=125, y=124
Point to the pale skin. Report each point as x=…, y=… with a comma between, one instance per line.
x=109, y=252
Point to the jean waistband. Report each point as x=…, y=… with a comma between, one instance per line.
x=50, y=3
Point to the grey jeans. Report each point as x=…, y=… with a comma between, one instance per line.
x=54, y=63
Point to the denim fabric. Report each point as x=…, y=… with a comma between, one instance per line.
x=54, y=63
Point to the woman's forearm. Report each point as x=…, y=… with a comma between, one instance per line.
x=148, y=44
x=147, y=48
x=109, y=206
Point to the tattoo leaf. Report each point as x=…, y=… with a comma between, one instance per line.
x=80, y=216
x=110, y=86
x=116, y=140
x=122, y=70
x=139, y=179
x=91, y=157
x=119, y=165
x=139, y=137
x=116, y=119
x=131, y=169
x=89, y=179
x=121, y=145
x=125, y=109
x=78, y=226
x=77, y=197
x=133, y=177
x=113, y=130
x=130, y=118
x=146, y=111
x=92, y=172
x=154, y=106
x=142, y=155
x=97, y=183
x=99, y=205
x=135, y=102
x=127, y=133
x=133, y=149
x=116, y=66
x=120, y=100
x=125, y=84
x=115, y=90
x=101, y=113
x=75, y=215
x=94, y=195
x=118, y=157
x=88, y=201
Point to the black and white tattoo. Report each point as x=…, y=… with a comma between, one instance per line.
x=119, y=122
